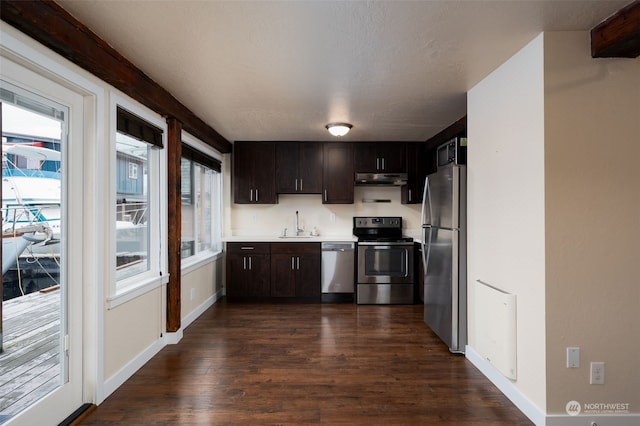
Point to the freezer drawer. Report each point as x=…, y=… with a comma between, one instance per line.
x=385, y=294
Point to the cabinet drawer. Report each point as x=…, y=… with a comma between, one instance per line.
x=295, y=248
x=248, y=248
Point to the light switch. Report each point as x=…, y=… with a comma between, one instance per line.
x=573, y=357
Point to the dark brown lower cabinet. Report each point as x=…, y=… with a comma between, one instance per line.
x=273, y=271
x=295, y=270
x=248, y=270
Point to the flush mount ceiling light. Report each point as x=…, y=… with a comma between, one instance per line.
x=338, y=129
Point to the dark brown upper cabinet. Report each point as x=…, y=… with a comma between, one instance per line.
x=338, y=173
x=419, y=164
x=299, y=167
x=254, y=173
x=380, y=157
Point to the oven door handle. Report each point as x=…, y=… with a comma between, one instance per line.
x=385, y=245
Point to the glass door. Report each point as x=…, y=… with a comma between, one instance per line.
x=40, y=330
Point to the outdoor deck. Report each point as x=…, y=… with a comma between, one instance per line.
x=29, y=365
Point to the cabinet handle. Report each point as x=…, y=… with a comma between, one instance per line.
x=410, y=195
x=300, y=185
x=244, y=263
x=298, y=263
x=383, y=164
x=325, y=195
x=257, y=195
x=296, y=185
x=250, y=265
x=293, y=266
x=251, y=194
x=377, y=163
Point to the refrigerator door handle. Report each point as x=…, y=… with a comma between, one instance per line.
x=426, y=246
x=426, y=203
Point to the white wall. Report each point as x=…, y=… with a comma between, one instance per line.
x=246, y=219
x=201, y=288
x=506, y=204
x=553, y=218
x=130, y=329
x=592, y=149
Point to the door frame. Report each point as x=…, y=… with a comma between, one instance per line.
x=87, y=177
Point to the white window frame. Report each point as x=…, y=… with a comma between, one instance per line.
x=194, y=262
x=121, y=291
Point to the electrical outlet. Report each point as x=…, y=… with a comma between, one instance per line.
x=332, y=217
x=573, y=357
x=193, y=293
x=597, y=373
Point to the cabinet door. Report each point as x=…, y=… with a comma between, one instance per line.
x=417, y=160
x=260, y=270
x=248, y=270
x=287, y=167
x=308, y=276
x=248, y=276
x=338, y=174
x=380, y=157
x=391, y=157
x=310, y=167
x=283, y=275
x=264, y=177
x=366, y=158
x=254, y=169
x=238, y=276
x=242, y=173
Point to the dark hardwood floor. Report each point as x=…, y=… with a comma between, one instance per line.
x=298, y=364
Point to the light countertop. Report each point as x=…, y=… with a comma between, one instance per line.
x=278, y=239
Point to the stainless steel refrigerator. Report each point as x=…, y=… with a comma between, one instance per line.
x=444, y=246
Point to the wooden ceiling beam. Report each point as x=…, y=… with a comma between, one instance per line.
x=619, y=35
x=51, y=25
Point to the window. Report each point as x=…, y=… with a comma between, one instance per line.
x=201, y=204
x=132, y=205
x=139, y=193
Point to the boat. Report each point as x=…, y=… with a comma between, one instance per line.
x=30, y=220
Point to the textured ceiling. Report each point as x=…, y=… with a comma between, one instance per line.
x=281, y=70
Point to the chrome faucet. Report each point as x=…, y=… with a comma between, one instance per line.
x=298, y=229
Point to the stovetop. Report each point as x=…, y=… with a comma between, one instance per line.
x=379, y=229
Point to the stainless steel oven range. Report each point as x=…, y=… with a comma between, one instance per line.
x=385, y=261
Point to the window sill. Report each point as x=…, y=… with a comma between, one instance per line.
x=197, y=261
x=133, y=291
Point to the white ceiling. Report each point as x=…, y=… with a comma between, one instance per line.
x=281, y=70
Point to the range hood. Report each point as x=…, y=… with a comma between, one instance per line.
x=381, y=179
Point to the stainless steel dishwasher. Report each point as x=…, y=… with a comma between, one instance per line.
x=338, y=271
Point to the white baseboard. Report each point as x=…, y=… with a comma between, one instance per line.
x=115, y=381
x=534, y=413
x=507, y=387
x=193, y=315
x=172, y=338
x=593, y=419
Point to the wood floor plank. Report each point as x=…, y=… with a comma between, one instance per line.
x=290, y=364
